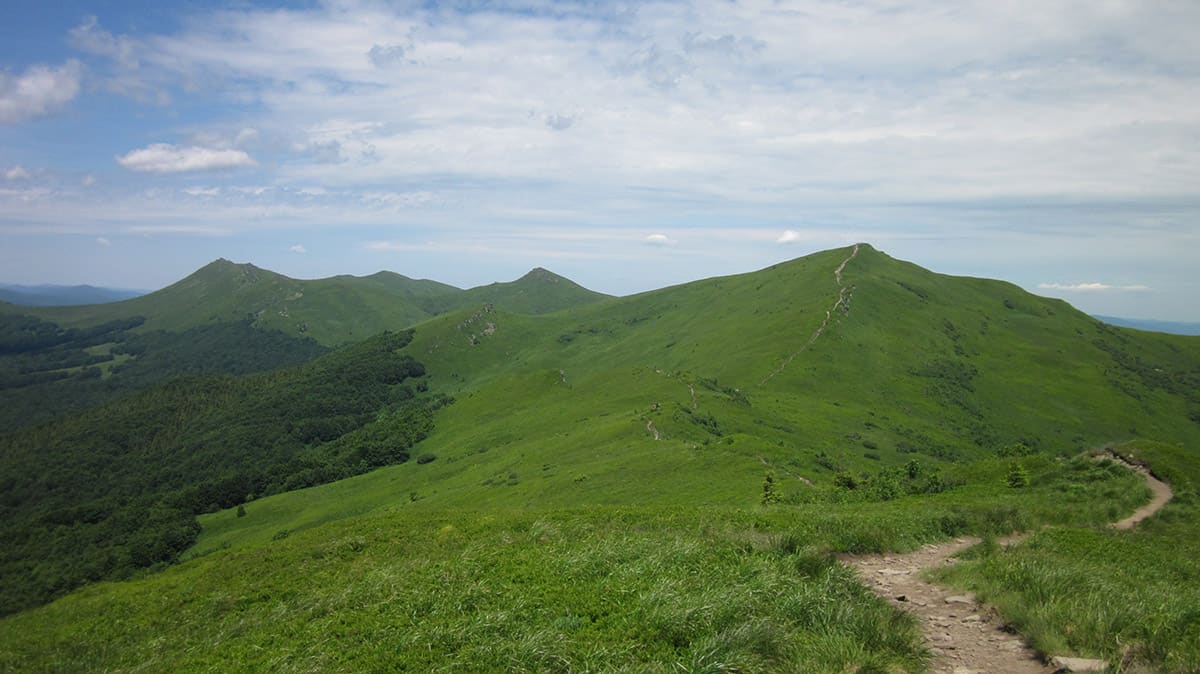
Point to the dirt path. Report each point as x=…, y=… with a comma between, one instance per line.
x=841, y=303
x=650, y=427
x=964, y=636
x=1161, y=494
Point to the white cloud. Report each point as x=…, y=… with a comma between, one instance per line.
x=658, y=240
x=203, y=191
x=788, y=236
x=166, y=158
x=245, y=137
x=205, y=230
x=1089, y=287
x=17, y=173
x=38, y=91
x=88, y=180
x=103, y=241
x=297, y=249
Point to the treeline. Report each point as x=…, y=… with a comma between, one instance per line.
x=47, y=371
x=104, y=493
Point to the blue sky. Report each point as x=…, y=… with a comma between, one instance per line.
x=628, y=146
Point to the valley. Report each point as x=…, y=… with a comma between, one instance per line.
x=564, y=481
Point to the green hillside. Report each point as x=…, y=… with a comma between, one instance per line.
x=225, y=318
x=333, y=311
x=597, y=497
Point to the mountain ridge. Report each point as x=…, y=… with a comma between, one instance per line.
x=333, y=310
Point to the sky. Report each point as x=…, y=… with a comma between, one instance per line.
x=628, y=146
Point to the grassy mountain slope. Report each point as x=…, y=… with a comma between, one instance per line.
x=662, y=413
x=332, y=311
x=563, y=409
x=538, y=292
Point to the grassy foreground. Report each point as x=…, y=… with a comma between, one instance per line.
x=610, y=589
x=1132, y=598
x=607, y=588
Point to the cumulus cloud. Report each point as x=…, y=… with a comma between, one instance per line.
x=1089, y=287
x=658, y=240
x=167, y=158
x=103, y=241
x=297, y=249
x=17, y=172
x=38, y=91
x=788, y=236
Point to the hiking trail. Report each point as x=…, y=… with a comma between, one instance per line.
x=843, y=300
x=964, y=636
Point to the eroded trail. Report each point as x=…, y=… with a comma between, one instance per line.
x=841, y=303
x=964, y=636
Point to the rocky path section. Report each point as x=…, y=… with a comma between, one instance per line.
x=964, y=636
x=841, y=303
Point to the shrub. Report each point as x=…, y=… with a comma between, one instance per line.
x=769, y=495
x=426, y=458
x=1018, y=477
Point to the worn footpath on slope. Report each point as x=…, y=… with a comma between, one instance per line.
x=964, y=636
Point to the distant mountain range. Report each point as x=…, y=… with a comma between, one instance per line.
x=1170, y=327
x=56, y=295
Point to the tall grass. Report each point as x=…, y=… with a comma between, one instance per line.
x=601, y=590
x=1132, y=598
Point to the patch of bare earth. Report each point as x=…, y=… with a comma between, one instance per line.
x=963, y=636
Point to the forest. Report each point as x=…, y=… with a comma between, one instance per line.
x=116, y=489
x=47, y=371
